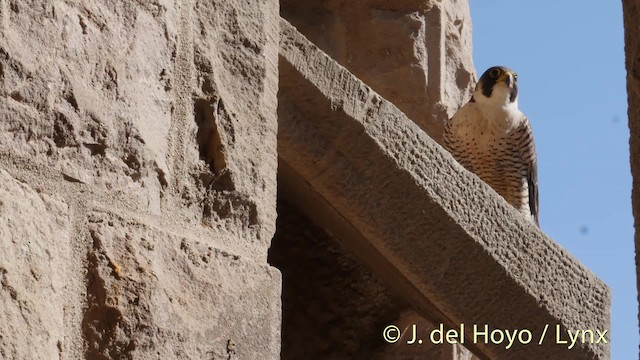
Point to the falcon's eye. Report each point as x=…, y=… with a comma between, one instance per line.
x=515, y=77
x=494, y=73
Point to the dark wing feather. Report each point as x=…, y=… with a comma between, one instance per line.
x=532, y=182
x=528, y=153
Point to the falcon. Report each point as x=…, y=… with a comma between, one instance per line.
x=492, y=138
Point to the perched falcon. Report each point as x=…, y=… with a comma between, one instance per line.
x=490, y=137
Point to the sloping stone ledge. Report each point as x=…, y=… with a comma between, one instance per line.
x=433, y=231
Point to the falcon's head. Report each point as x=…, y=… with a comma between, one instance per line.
x=498, y=85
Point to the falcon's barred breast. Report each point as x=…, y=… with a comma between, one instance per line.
x=492, y=138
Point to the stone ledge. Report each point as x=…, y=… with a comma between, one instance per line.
x=452, y=241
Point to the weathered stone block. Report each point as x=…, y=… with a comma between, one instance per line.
x=85, y=87
x=224, y=126
x=163, y=97
x=154, y=294
x=34, y=252
x=158, y=108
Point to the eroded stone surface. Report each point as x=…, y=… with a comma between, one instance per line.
x=85, y=88
x=230, y=142
x=414, y=53
x=155, y=294
x=116, y=102
x=34, y=249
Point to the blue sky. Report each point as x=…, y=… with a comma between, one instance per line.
x=569, y=56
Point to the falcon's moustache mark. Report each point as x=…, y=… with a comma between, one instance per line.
x=487, y=87
x=514, y=92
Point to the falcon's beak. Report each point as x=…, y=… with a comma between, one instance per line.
x=507, y=77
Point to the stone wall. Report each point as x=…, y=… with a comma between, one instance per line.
x=631, y=10
x=138, y=179
x=414, y=53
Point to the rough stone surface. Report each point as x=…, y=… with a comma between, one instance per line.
x=155, y=294
x=35, y=232
x=631, y=10
x=83, y=89
x=164, y=98
x=230, y=142
x=414, y=53
x=340, y=136
x=142, y=137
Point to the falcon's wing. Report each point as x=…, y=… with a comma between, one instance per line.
x=528, y=154
x=532, y=182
